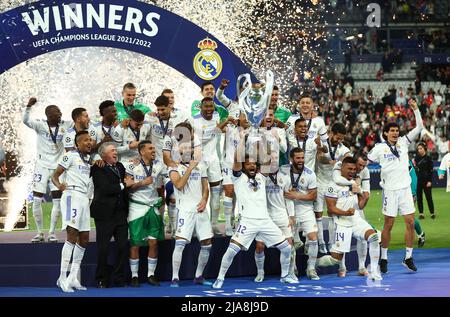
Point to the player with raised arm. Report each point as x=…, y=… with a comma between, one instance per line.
x=250, y=189
x=50, y=150
x=392, y=155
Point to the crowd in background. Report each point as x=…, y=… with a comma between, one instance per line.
x=364, y=114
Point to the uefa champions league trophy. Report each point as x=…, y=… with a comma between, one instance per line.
x=255, y=100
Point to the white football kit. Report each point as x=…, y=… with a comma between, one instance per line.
x=124, y=136
x=75, y=199
x=187, y=200
x=206, y=131
x=50, y=150
x=445, y=166
x=254, y=220
x=308, y=146
x=316, y=126
x=346, y=226
x=101, y=131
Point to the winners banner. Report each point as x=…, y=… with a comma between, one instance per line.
x=44, y=26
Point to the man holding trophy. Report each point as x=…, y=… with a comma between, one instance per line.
x=250, y=183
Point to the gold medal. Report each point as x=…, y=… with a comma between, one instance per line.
x=255, y=189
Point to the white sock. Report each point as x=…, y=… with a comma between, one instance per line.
x=259, y=260
x=361, y=249
x=312, y=254
x=409, y=252
x=327, y=260
x=320, y=231
x=214, y=203
x=285, y=257
x=374, y=251
x=78, y=253
x=331, y=230
x=172, y=211
x=151, y=265
x=176, y=257
x=228, y=210
x=66, y=255
x=227, y=259
x=292, y=263
x=342, y=266
x=56, y=210
x=384, y=253
x=134, y=266
x=37, y=213
x=296, y=233
x=203, y=258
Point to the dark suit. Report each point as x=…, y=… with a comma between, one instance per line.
x=109, y=209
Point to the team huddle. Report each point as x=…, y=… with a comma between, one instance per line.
x=182, y=163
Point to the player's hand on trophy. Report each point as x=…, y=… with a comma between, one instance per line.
x=133, y=145
x=232, y=120
x=413, y=104
x=351, y=212
x=31, y=102
x=201, y=206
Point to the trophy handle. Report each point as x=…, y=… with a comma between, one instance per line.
x=246, y=87
x=268, y=89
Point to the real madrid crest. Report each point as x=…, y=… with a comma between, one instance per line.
x=207, y=62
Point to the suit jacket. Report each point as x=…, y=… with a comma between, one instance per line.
x=109, y=199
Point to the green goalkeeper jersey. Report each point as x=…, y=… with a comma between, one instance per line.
x=124, y=112
x=282, y=114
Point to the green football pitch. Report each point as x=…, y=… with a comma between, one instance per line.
x=437, y=231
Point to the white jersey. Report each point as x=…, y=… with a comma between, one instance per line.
x=146, y=194
x=346, y=199
x=394, y=160
x=49, y=153
x=316, y=127
x=207, y=131
x=252, y=203
x=69, y=137
x=171, y=145
x=394, y=170
x=77, y=171
x=162, y=128
x=101, y=131
x=272, y=139
x=325, y=171
x=363, y=175
x=306, y=183
x=277, y=205
x=445, y=166
x=232, y=136
x=123, y=137
x=190, y=196
x=309, y=146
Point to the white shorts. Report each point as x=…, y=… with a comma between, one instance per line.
x=214, y=171
x=398, y=202
x=343, y=235
x=189, y=220
x=306, y=223
x=75, y=210
x=283, y=224
x=265, y=229
x=43, y=179
x=226, y=175
x=320, y=203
